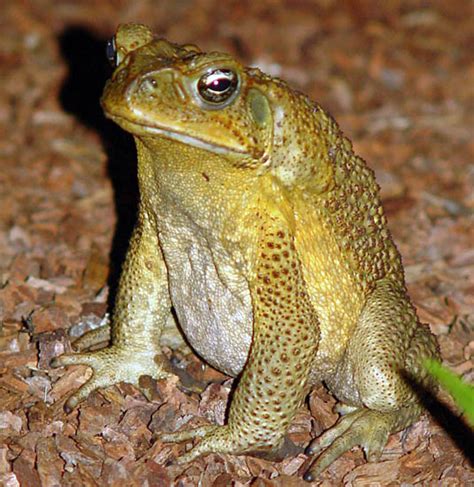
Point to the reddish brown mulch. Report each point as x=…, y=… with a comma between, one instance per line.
x=398, y=76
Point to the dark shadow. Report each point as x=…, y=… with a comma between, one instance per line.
x=84, y=53
x=459, y=431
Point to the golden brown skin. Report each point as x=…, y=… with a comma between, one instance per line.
x=265, y=232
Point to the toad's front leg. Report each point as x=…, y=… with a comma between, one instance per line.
x=286, y=334
x=141, y=309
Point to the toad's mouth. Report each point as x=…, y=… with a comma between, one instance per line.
x=144, y=130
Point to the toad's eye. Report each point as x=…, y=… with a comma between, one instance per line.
x=218, y=86
x=111, y=52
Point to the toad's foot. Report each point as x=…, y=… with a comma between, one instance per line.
x=217, y=439
x=110, y=366
x=367, y=428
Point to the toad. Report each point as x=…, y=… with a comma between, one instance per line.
x=265, y=233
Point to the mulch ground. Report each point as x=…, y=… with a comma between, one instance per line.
x=398, y=77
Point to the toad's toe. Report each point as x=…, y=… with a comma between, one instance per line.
x=367, y=428
x=111, y=366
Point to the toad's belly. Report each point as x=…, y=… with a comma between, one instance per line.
x=211, y=299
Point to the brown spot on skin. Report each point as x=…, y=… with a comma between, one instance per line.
x=205, y=176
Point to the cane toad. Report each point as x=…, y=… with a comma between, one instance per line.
x=264, y=231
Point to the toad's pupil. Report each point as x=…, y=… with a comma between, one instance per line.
x=220, y=84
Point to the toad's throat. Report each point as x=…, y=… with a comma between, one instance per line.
x=139, y=129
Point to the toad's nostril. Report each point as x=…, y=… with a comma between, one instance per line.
x=148, y=84
x=120, y=75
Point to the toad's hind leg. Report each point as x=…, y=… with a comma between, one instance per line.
x=384, y=355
